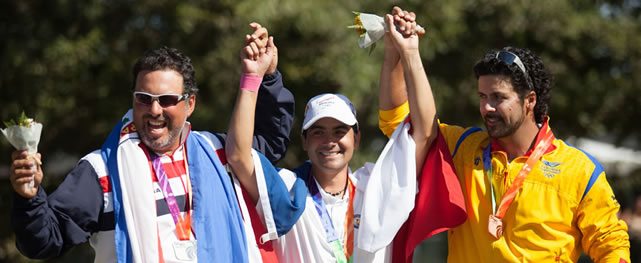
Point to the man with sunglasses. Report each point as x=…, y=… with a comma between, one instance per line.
x=530, y=197
x=157, y=191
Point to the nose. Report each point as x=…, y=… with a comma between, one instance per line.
x=329, y=140
x=155, y=108
x=486, y=106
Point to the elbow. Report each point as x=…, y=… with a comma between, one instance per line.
x=424, y=139
x=233, y=156
x=34, y=249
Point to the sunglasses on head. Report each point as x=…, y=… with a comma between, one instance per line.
x=509, y=58
x=165, y=100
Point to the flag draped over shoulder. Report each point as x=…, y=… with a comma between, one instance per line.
x=439, y=204
x=217, y=222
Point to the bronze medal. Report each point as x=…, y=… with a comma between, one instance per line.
x=495, y=227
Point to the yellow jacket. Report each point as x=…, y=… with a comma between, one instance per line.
x=564, y=207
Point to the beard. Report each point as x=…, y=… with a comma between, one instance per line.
x=162, y=144
x=500, y=128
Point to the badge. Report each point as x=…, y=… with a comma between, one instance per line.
x=495, y=226
x=185, y=250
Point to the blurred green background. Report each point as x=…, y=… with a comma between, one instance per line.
x=68, y=63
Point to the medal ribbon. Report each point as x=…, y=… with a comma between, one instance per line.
x=510, y=194
x=341, y=252
x=183, y=225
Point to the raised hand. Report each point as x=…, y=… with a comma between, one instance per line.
x=405, y=22
x=257, y=56
x=405, y=37
x=274, y=64
x=23, y=169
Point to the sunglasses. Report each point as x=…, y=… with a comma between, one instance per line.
x=165, y=100
x=510, y=58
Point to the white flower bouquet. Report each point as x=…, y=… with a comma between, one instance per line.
x=371, y=28
x=24, y=134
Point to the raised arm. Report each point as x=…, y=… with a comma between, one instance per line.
x=392, y=91
x=419, y=92
x=256, y=58
x=274, y=115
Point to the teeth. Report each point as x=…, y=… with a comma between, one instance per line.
x=158, y=123
x=328, y=153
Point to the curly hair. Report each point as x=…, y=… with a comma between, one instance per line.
x=537, y=77
x=166, y=58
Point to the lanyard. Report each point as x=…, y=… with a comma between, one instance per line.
x=183, y=225
x=510, y=194
x=341, y=254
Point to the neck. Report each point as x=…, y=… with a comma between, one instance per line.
x=520, y=142
x=331, y=182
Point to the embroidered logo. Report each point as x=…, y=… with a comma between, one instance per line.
x=357, y=220
x=550, y=169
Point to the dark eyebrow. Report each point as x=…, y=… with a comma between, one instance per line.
x=340, y=126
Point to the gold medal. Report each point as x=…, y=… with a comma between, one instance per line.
x=495, y=226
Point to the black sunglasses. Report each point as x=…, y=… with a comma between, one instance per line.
x=509, y=58
x=165, y=100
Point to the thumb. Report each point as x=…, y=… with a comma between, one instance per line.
x=270, y=45
x=391, y=27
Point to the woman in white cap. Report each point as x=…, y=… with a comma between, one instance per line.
x=335, y=225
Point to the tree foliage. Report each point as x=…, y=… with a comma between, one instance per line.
x=68, y=63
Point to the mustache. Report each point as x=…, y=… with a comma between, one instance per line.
x=156, y=118
x=492, y=116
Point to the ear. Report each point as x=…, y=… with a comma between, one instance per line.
x=530, y=101
x=357, y=139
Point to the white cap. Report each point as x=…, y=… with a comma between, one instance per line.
x=329, y=105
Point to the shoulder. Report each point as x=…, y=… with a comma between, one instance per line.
x=462, y=139
x=95, y=161
x=583, y=167
x=580, y=159
x=215, y=140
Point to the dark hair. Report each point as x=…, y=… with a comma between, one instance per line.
x=166, y=58
x=537, y=78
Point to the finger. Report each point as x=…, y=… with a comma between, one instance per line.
x=270, y=43
x=400, y=12
x=255, y=25
x=23, y=178
x=406, y=14
x=20, y=154
x=270, y=46
x=396, y=10
x=260, y=33
x=390, y=24
x=409, y=28
x=399, y=23
x=248, y=52
x=23, y=163
x=420, y=31
x=255, y=50
x=248, y=39
x=411, y=17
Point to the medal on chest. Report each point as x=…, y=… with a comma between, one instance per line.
x=495, y=226
x=495, y=221
x=185, y=250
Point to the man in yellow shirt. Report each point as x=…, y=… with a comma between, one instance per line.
x=529, y=196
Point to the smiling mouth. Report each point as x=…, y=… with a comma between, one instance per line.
x=156, y=127
x=492, y=120
x=329, y=153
